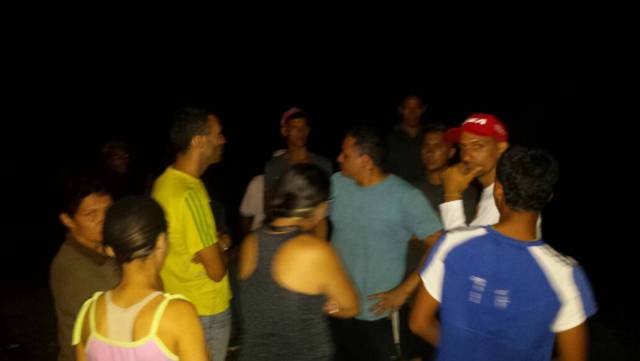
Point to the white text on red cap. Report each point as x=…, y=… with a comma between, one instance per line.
x=481, y=121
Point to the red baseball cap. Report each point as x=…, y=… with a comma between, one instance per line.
x=289, y=113
x=486, y=125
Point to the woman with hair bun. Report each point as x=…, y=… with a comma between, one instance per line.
x=136, y=320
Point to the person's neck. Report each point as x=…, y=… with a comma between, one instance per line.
x=371, y=178
x=191, y=164
x=411, y=130
x=138, y=279
x=434, y=177
x=93, y=246
x=488, y=179
x=297, y=154
x=284, y=222
x=518, y=225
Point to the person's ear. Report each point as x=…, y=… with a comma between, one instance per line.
x=498, y=192
x=366, y=162
x=66, y=220
x=498, y=189
x=197, y=141
x=502, y=147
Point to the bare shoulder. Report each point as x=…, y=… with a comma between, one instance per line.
x=179, y=306
x=178, y=324
x=302, y=263
x=179, y=312
x=308, y=247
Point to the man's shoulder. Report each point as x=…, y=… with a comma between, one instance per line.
x=256, y=181
x=395, y=132
x=60, y=261
x=462, y=236
x=545, y=254
x=320, y=160
x=276, y=162
x=407, y=190
x=339, y=180
x=567, y=279
x=172, y=189
x=466, y=231
x=70, y=265
x=68, y=256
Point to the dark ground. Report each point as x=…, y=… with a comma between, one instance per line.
x=28, y=329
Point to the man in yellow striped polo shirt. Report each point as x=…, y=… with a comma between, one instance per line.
x=196, y=262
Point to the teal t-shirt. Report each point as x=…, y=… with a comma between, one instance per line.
x=372, y=227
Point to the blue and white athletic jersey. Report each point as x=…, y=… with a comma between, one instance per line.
x=503, y=299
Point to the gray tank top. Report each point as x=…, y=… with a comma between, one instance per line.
x=279, y=324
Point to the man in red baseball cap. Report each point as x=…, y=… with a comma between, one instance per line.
x=482, y=139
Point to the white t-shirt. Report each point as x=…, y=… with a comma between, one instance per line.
x=252, y=204
x=487, y=214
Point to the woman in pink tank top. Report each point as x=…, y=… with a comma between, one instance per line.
x=136, y=320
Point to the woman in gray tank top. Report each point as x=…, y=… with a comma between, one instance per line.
x=290, y=280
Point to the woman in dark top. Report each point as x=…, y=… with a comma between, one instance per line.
x=289, y=279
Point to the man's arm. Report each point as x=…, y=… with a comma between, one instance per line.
x=214, y=261
x=394, y=299
x=572, y=343
x=246, y=223
x=252, y=203
x=570, y=324
x=455, y=181
x=201, y=237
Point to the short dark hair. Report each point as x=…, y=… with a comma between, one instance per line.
x=528, y=177
x=189, y=122
x=112, y=146
x=370, y=142
x=434, y=128
x=409, y=96
x=79, y=186
x=301, y=188
x=132, y=226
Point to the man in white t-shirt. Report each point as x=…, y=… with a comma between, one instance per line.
x=482, y=139
x=252, y=205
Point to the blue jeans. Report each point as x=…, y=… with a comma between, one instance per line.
x=217, y=330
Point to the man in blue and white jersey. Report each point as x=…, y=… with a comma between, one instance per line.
x=502, y=293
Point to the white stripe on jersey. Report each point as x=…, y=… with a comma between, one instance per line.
x=433, y=276
x=559, y=272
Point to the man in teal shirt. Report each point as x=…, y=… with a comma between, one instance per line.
x=374, y=215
